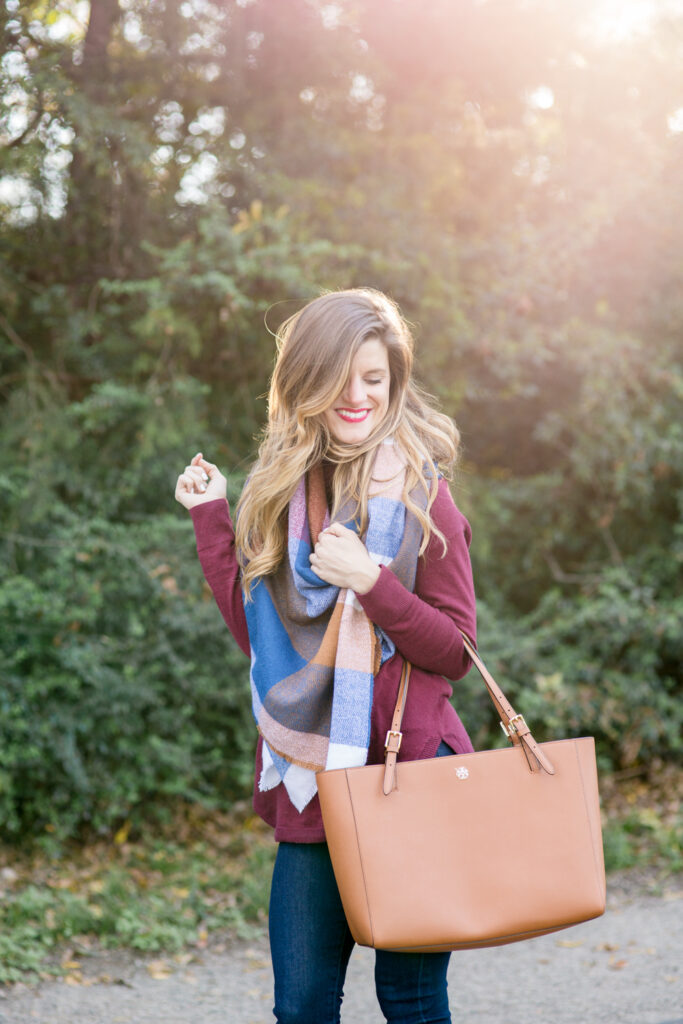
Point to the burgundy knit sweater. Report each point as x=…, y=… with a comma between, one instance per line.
x=423, y=626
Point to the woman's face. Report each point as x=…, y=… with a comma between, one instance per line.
x=363, y=401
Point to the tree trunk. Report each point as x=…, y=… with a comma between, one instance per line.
x=88, y=218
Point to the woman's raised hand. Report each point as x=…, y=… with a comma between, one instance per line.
x=200, y=481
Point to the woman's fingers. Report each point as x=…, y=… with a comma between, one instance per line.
x=199, y=461
x=184, y=490
x=200, y=481
x=336, y=529
x=187, y=482
x=208, y=467
x=197, y=476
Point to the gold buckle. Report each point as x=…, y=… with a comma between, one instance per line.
x=511, y=727
x=393, y=732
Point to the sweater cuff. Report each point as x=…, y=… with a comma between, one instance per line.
x=386, y=595
x=211, y=520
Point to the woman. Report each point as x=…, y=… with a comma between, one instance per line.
x=347, y=556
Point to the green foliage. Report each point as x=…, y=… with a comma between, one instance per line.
x=643, y=818
x=642, y=839
x=201, y=310
x=154, y=894
x=580, y=565
x=604, y=664
x=119, y=684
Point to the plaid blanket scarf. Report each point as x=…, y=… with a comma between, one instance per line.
x=314, y=652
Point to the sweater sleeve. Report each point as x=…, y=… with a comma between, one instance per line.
x=215, y=538
x=424, y=624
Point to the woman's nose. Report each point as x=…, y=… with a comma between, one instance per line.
x=354, y=392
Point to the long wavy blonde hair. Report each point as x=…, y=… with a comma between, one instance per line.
x=316, y=347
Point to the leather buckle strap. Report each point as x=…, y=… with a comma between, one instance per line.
x=516, y=730
x=393, y=745
x=519, y=732
x=511, y=728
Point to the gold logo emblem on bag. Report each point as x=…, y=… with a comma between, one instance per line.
x=462, y=773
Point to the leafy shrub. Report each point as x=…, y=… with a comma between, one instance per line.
x=169, y=886
x=605, y=664
x=122, y=687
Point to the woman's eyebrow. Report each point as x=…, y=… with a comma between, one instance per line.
x=378, y=370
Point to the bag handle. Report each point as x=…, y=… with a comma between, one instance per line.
x=512, y=724
x=392, y=744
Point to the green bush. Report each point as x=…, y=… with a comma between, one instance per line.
x=122, y=687
x=605, y=664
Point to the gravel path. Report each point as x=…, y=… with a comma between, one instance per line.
x=624, y=968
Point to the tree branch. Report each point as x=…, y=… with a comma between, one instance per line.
x=16, y=340
x=561, y=576
x=609, y=540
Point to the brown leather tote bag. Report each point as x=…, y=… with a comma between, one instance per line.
x=470, y=850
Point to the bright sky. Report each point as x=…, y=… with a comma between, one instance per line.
x=615, y=20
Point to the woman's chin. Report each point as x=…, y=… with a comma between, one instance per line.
x=352, y=433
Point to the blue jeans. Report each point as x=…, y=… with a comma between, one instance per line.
x=310, y=944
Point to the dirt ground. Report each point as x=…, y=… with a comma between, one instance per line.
x=623, y=968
